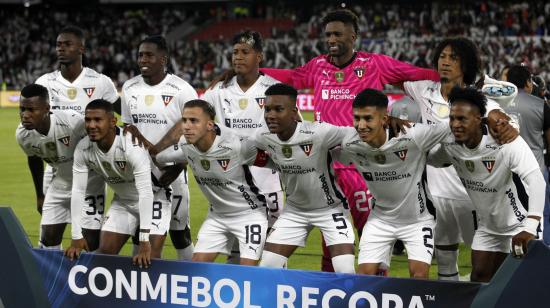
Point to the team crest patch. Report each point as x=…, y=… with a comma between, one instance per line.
x=224, y=163
x=339, y=76
x=71, y=93
x=401, y=154
x=261, y=102
x=121, y=164
x=243, y=103
x=380, y=158
x=307, y=147
x=106, y=165
x=287, y=151
x=65, y=140
x=149, y=99
x=89, y=91
x=166, y=99
x=443, y=111
x=359, y=72
x=205, y=164
x=489, y=164
x=470, y=165
x=50, y=146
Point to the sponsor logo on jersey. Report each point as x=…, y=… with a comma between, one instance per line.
x=324, y=93
x=243, y=103
x=149, y=99
x=380, y=158
x=489, y=164
x=71, y=93
x=401, y=154
x=166, y=99
x=339, y=76
x=106, y=166
x=121, y=164
x=135, y=118
x=89, y=91
x=65, y=140
x=359, y=72
x=287, y=151
x=261, y=102
x=307, y=147
x=224, y=163
x=470, y=165
x=205, y=164
x=368, y=176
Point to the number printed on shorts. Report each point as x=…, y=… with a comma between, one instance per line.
x=339, y=218
x=274, y=197
x=178, y=198
x=253, y=234
x=96, y=203
x=428, y=237
x=157, y=209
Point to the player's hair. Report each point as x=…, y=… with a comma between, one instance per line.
x=33, y=90
x=539, y=86
x=467, y=51
x=74, y=30
x=470, y=95
x=370, y=98
x=202, y=104
x=519, y=75
x=158, y=40
x=249, y=37
x=101, y=104
x=345, y=16
x=282, y=89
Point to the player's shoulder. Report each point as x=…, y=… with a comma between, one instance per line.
x=47, y=77
x=429, y=85
x=267, y=81
x=21, y=133
x=132, y=83
x=84, y=145
x=177, y=83
x=319, y=60
x=90, y=73
x=66, y=116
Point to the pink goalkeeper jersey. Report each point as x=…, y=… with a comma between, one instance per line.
x=335, y=88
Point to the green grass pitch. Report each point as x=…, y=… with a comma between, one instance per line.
x=17, y=191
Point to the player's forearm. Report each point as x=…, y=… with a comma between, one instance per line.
x=145, y=197
x=283, y=75
x=78, y=192
x=170, y=155
x=36, y=166
x=171, y=138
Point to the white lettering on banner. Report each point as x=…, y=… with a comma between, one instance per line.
x=129, y=287
x=154, y=291
x=176, y=288
x=108, y=281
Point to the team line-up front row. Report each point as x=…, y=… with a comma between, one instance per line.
x=393, y=166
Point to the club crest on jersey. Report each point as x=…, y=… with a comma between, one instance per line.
x=359, y=72
x=89, y=91
x=307, y=147
x=71, y=93
x=121, y=164
x=50, y=146
x=166, y=99
x=261, y=102
x=224, y=163
x=243, y=103
x=106, y=166
x=149, y=99
x=470, y=165
x=287, y=151
x=65, y=140
x=339, y=76
x=401, y=154
x=489, y=164
x=380, y=158
x=205, y=164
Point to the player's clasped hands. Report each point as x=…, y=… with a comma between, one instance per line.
x=143, y=258
x=76, y=248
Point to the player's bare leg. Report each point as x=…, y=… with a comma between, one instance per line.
x=343, y=258
x=249, y=262
x=204, y=256
x=485, y=264
x=111, y=243
x=92, y=238
x=157, y=243
x=52, y=235
x=368, y=268
x=419, y=269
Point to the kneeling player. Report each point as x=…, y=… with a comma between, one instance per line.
x=126, y=168
x=220, y=161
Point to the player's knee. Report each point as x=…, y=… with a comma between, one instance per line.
x=270, y=259
x=481, y=274
x=181, y=238
x=344, y=264
x=51, y=238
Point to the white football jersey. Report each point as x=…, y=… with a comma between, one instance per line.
x=244, y=112
x=58, y=146
x=304, y=163
x=89, y=85
x=154, y=109
x=443, y=182
x=487, y=172
x=223, y=172
x=395, y=172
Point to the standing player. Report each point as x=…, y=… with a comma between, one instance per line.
x=72, y=87
x=52, y=137
x=301, y=151
x=492, y=175
x=151, y=104
x=458, y=64
x=239, y=104
x=335, y=79
x=220, y=159
x=126, y=168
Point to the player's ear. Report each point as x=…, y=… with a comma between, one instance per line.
x=114, y=120
x=260, y=57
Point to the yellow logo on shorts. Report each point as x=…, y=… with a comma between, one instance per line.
x=149, y=99
x=243, y=103
x=205, y=164
x=71, y=93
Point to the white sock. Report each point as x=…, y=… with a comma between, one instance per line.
x=447, y=268
x=344, y=264
x=270, y=259
x=186, y=253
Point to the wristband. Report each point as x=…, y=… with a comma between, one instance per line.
x=531, y=225
x=144, y=236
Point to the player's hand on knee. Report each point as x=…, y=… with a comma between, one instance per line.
x=39, y=204
x=519, y=243
x=143, y=258
x=76, y=248
x=399, y=125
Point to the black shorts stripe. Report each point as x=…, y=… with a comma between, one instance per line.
x=429, y=204
x=332, y=180
x=522, y=194
x=253, y=188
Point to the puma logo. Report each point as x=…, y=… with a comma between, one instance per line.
x=346, y=233
x=156, y=224
x=255, y=249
